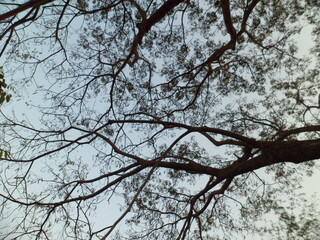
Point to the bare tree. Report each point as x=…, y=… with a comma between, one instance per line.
x=186, y=113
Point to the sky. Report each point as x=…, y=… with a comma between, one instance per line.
x=311, y=184
x=305, y=42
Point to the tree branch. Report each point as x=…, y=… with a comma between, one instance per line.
x=23, y=7
x=225, y=5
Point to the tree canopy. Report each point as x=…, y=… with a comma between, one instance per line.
x=175, y=119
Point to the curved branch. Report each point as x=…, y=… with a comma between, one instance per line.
x=225, y=5
x=245, y=140
x=23, y=7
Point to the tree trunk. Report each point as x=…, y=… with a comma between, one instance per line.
x=275, y=152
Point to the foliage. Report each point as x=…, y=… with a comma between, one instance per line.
x=4, y=96
x=187, y=114
x=295, y=217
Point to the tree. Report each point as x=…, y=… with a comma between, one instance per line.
x=183, y=112
x=296, y=221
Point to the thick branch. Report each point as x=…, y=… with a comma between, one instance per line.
x=271, y=152
x=246, y=15
x=275, y=152
x=228, y=22
x=146, y=25
x=23, y=7
x=225, y=5
x=282, y=135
